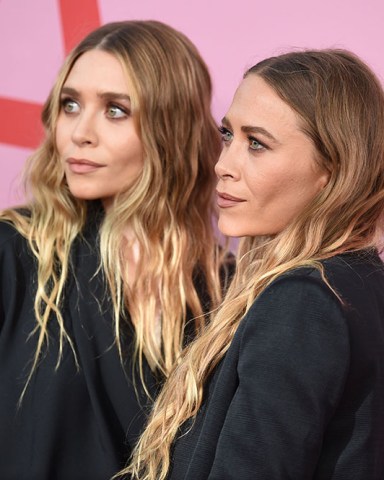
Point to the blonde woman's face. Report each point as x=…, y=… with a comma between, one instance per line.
x=99, y=147
x=267, y=170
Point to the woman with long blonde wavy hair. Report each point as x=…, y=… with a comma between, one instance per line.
x=108, y=269
x=287, y=380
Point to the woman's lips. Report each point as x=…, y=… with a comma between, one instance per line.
x=224, y=200
x=83, y=165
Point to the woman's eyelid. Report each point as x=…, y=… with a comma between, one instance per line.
x=223, y=129
x=66, y=100
x=225, y=133
x=125, y=111
x=261, y=144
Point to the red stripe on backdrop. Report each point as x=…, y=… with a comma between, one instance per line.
x=20, y=123
x=20, y=120
x=78, y=18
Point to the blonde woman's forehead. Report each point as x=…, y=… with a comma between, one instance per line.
x=98, y=71
x=257, y=106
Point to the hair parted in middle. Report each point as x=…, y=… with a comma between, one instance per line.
x=169, y=207
x=340, y=107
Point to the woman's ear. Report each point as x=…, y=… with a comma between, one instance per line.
x=325, y=175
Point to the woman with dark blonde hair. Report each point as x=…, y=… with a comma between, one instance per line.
x=108, y=269
x=287, y=381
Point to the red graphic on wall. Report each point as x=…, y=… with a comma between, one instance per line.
x=22, y=125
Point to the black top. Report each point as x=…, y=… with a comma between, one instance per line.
x=73, y=424
x=300, y=393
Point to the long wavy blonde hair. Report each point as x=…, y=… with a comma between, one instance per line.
x=340, y=104
x=169, y=208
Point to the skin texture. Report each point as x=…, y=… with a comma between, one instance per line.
x=98, y=144
x=267, y=169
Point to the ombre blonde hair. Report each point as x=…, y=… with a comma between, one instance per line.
x=340, y=104
x=169, y=208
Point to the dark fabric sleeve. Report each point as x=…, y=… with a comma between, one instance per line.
x=10, y=250
x=2, y=314
x=293, y=361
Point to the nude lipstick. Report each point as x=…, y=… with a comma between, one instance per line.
x=224, y=200
x=82, y=165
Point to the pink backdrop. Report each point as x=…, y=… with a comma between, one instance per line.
x=231, y=35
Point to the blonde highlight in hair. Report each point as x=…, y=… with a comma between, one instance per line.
x=340, y=104
x=169, y=208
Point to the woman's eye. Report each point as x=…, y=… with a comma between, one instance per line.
x=255, y=144
x=114, y=111
x=226, y=135
x=69, y=106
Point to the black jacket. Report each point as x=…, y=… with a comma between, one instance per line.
x=73, y=424
x=300, y=393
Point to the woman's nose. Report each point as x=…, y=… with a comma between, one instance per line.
x=227, y=165
x=84, y=130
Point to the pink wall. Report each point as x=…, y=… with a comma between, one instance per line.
x=230, y=36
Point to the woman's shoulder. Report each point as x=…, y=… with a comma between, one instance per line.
x=352, y=268
x=296, y=288
x=15, y=254
x=9, y=233
x=355, y=266
x=297, y=308
x=348, y=282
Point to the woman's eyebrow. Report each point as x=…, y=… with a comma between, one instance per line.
x=70, y=91
x=115, y=96
x=263, y=131
x=103, y=95
x=251, y=129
